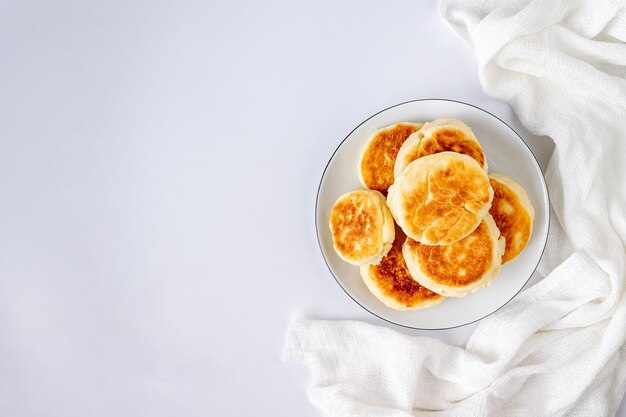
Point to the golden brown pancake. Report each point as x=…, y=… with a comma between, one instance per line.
x=391, y=282
x=461, y=268
x=439, y=199
x=378, y=156
x=362, y=227
x=513, y=213
x=440, y=136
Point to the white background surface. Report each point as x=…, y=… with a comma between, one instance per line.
x=158, y=169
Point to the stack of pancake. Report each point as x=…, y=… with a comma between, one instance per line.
x=431, y=222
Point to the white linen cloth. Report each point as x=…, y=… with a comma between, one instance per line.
x=558, y=348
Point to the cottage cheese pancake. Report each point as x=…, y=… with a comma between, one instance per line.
x=440, y=136
x=513, y=213
x=378, y=156
x=461, y=268
x=362, y=227
x=391, y=282
x=441, y=198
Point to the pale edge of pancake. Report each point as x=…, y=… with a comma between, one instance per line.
x=454, y=291
x=395, y=198
x=524, y=200
x=387, y=228
x=369, y=142
x=446, y=122
x=390, y=301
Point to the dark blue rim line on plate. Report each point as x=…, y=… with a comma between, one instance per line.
x=319, y=242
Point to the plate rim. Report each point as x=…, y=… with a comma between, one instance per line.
x=543, y=182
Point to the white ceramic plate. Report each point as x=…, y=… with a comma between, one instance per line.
x=506, y=153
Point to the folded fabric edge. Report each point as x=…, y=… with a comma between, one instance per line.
x=295, y=340
x=458, y=28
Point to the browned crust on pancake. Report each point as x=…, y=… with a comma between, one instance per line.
x=441, y=200
x=356, y=220
x=453, y=140
x=392, y=277
x=379, y=158
x=413, y=155
x=512, y=219
x=459, y=264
